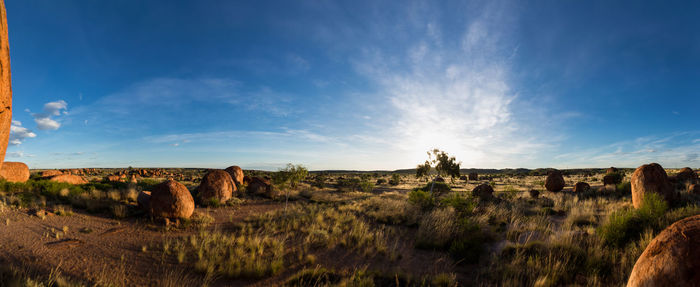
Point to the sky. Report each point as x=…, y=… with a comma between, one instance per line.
x=363, y=85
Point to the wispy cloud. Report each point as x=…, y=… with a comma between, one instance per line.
x=44, y=120
x=18, y=133
x=456, y=95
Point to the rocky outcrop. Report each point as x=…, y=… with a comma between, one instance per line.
x=236, y=174
x=69, y=178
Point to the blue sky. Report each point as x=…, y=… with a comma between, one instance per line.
x=354, y=84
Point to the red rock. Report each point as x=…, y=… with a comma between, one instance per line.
x=217, y=184
x=672, y=258
x=5, y=84
x=14, y=171
x=650, y=178
x=236, y=174
x=483, y=191
x=582, y=187
x=171, y=199
x=554, y=181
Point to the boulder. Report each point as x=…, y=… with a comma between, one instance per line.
x=114, y=178
x=171, y=199
x=554, y=181
x=217, y=184
x=143, y=199
x=672, y=258
x=247, y=180
x=51, y=173
x=612, y=179
x=686, y=175
x=582, y=187
x=483, y=191
x=611, y=170
x=694, y=189
x=14, y=171
x=69, y=178
x=236, y=174
x=473, y=176
x=534, y=193
x=650, y=178
x=5, y=85
x=260, y=186
x=464, y=177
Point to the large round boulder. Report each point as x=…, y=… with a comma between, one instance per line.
x=651, y=178
x=483, y=191
x=582, y=187
x=171, y=199
x=14, y=171
x=611, y=170
x=694, y=189
x=554, y=181
x=5, y=85
x=686, y=175
x=143, y=199
x=672, y=258
x=216, y=185
x=260, y=186
x=236, y=174
x=69, y=178
x=473, y=176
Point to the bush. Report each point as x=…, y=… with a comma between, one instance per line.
x=624, y=188
x=422, y=199
x=381, y=181
x=468, y=244
x=461, y=203
x=437, y=187
x=627, y=225
x=366, y=186
x=395, y=179
x=436, y=229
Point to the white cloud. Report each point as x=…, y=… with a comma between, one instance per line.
x=18, y=154
x=44, y=121
x=459, y=100
x=18, y=133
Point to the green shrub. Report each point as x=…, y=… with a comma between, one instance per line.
x=468, y=244
x=627, y=225
x=366, y=186
x=624, y=188
x=381, y=181
x=422, y=199
x=437, y=187
x=395, y=179
x=462, y=203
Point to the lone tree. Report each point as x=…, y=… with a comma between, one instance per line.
x=444, y=164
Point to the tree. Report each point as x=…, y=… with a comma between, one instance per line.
x=292, y=175
x=445, y=165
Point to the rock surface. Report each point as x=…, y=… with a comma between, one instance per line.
x=14, y=171
x=260, y=186
x=236, y=174
x=51, y=173
x=554, y=181
x=5, y=84
x=143, y=199
x=650, y=178
x=216, y=184
x=483, y=191
x=171, y=199
x=687, y=175
x=582, y=187
x=672, y=258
